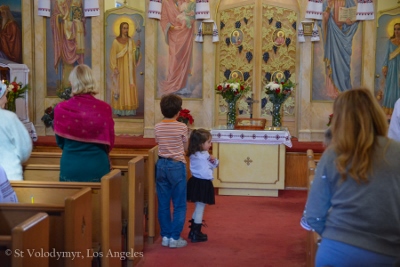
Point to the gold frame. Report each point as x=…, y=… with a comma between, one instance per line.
x=207, y=28
x=308, y=27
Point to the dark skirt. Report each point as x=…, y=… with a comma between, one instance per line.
x=200, y=190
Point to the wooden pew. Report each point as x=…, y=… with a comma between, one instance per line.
x=313, y=238
x=70, y=220
x=111, y=218
x=310, y=170
x=153, y=225
x=45, y=166
x=310, y=154
x=106, y=210
x=29, y=236
x=135, y=185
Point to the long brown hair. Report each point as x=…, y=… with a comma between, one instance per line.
x=394, y=35
x=197, y=138
x=357, y=121
x=120, y=28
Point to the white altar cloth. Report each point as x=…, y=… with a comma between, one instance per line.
x=269, y=137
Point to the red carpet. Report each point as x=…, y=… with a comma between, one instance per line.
x=242, y=231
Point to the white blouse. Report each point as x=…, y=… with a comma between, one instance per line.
x=201, y=165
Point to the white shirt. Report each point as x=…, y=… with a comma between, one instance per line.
x=15, y=144
x=394, y=126
x=7, y=193
x=201, y=165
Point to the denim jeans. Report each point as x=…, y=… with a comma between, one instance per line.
x=171, y=185
x=334, y=253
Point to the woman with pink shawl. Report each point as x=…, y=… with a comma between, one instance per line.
x=179, y=38
x=84, y=130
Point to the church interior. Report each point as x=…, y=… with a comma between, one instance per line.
x=254, y=41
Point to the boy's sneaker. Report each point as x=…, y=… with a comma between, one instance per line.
x=165, y=241
x=177, y=243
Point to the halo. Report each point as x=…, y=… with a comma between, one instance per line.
x=390, y=26
x=236, y=74
x=275, y=34
x=127, y=19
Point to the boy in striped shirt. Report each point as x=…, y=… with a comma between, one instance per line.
x=172, y=137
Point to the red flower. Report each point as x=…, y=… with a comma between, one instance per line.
x=15, y=87
x=278, y=91
x=219, y=88
x=48, y=110
x=185, y=117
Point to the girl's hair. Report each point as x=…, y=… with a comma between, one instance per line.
x=197, y=138
x=394, y=26
x=82, y=81
x=357, y=121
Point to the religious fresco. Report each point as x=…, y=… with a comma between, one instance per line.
x=124, y=77
x=179, y=57
x=236, y=51
x=237, y=37
x=386, y=88
x=279, y=54
x=68, y=43
x=337, y=63
x=11, y=33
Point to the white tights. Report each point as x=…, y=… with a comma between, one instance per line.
x=198, y=212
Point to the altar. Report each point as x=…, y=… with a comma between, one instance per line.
x=11, y=71
x=251, y=162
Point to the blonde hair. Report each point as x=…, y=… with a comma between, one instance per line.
x=82, y=81
x=357, y=121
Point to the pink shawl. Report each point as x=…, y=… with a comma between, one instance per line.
x=86, y=119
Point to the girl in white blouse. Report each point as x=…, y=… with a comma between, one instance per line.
x=200, y=189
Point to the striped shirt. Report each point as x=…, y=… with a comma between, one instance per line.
x=170, y=135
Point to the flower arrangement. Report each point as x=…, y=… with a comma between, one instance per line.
x=185, y=117
x=232, y=90
x=48, y=116
x=14, y=90
x=279, y=90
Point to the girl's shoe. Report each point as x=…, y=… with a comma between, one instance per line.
x=197, y=235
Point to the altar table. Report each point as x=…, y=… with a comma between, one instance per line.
x=251, y=163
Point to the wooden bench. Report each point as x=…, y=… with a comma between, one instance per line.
x=70, y=220
x=296, y=163
x=132, y=198
x=28, y=236
x=313, y=238
x=106, y=209
x=45, y=166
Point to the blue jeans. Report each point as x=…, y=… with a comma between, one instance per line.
x=333, y=253
x=171, y=185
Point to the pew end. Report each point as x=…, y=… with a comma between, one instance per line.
x=111, y=218
x=25, y=235
x=32, y=234
x=78, y=227
x=135, y=181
